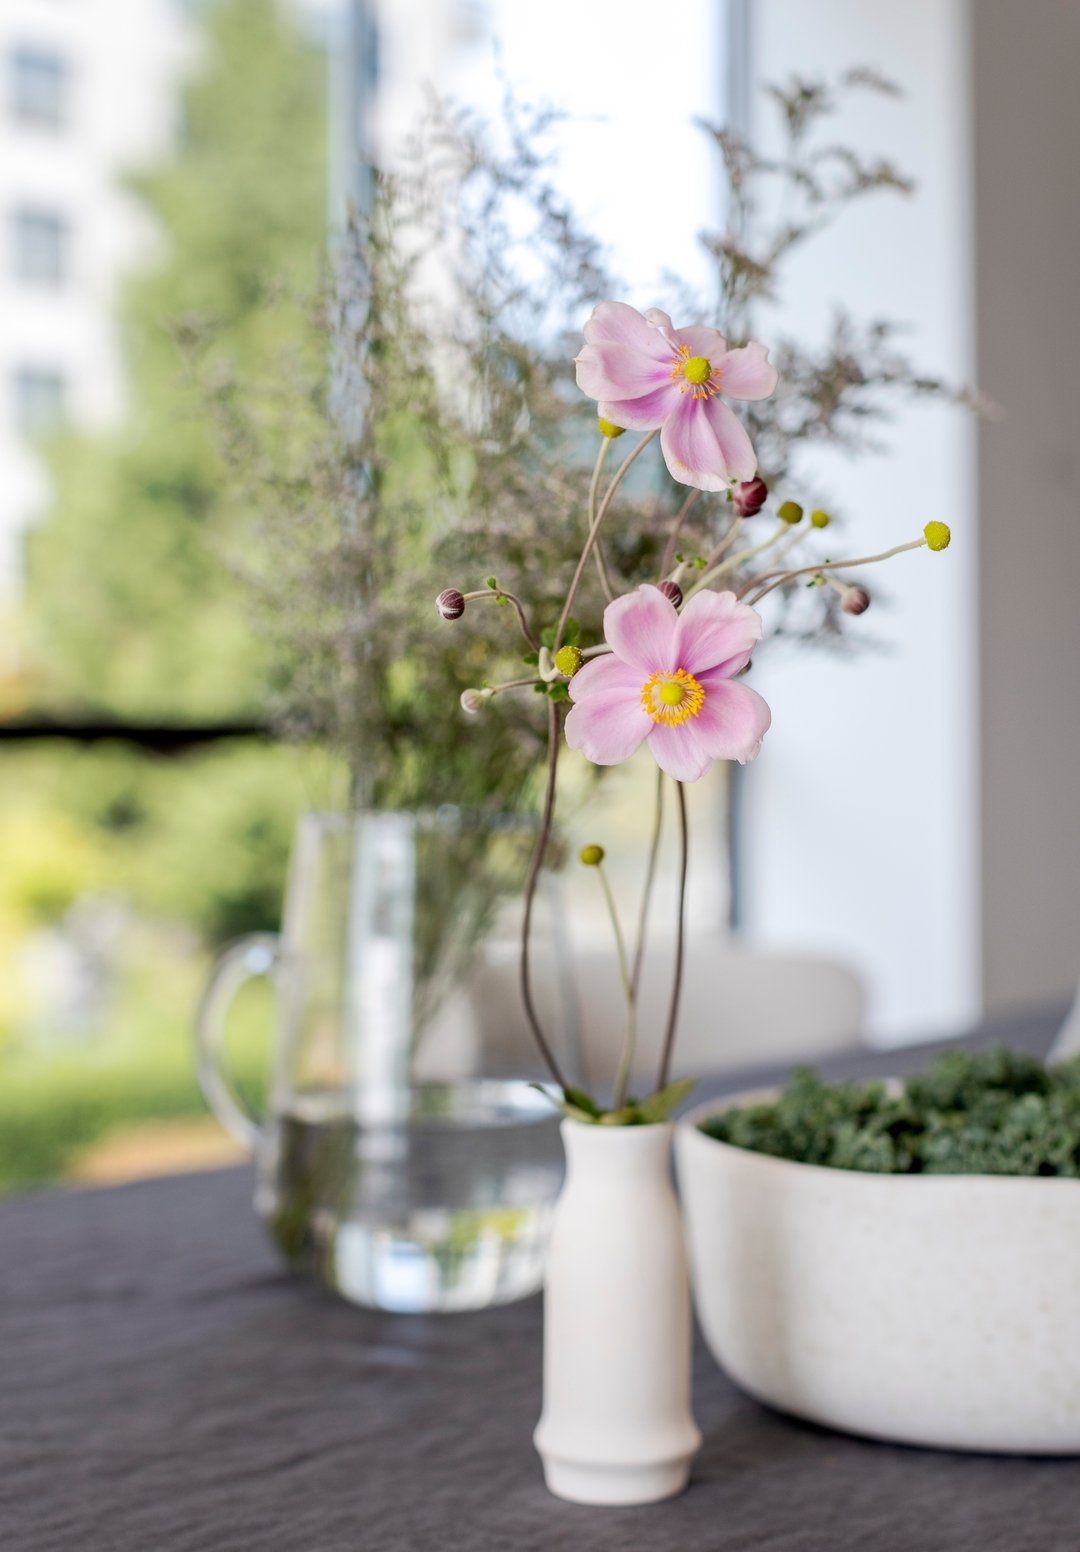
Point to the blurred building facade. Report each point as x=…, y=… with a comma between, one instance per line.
x=88, y=94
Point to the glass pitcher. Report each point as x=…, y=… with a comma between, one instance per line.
x=406, y=1158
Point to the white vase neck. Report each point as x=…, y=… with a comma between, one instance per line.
x=628, y=1150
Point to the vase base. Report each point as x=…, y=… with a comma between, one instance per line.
x=599, y=1484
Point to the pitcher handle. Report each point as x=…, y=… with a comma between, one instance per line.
x=258, y=953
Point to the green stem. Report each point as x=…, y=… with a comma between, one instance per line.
x=680, y=945
x=783, y=577
x=622, y=1077
x=650, y=879
x=542, y=838
x=676, y=529
x=595, y=529
x=736, y=560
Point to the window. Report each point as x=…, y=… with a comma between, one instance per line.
x=39, y=394
x=37, y=86
x=39, y=242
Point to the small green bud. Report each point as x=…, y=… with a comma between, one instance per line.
x=820, y=519
x=937, y=535
x=592, y=856
x=789, y=512
x=569, y=659
x=491, y=582
x=608, y=428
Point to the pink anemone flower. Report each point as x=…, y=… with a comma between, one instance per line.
x=668, y=679
x=645, y=373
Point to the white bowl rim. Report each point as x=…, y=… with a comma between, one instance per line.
x=689, y=1125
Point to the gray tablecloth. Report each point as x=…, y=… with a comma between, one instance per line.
x=166, y=1387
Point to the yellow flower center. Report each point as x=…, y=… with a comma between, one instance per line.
x=694, y=374
x=672, y=698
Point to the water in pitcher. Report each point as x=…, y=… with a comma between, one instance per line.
x=447, y=1208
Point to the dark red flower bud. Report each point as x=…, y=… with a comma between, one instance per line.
x=671, y=590
x=749, y=496
x=450, y=603
x=856, y=601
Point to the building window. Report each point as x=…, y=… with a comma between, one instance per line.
x=40, y=397
x=40, y=244
x=37, y=86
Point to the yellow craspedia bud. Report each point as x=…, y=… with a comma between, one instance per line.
x=820, y=519
x=789, y=512
x=937, y=535
x=568, y=660
x=592, y=856
x=608, y=428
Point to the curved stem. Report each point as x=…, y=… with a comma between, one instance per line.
x=714, y=571
x=676, y=530
x=542, y=838
x=626, y=1061
x=650, y=879
x=519, y=609
x=680, y=945
x=602, y=573
x=781, y=577
x=594, y=529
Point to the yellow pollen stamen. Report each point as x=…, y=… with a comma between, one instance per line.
x=694, y=374
x=672, y=698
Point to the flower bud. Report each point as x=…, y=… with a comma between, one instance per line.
x=937, y=535
x=749, y=496
x=568, y=660
x=671, y=590
x=820, y=519
x=789, y=512
x=592, y=856
x=472, y=701
x=609, y=429
x=450, y=603
x=856, y=600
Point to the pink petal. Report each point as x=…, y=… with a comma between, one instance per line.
x=705, y=445
x=732, y=722
x=616, y=323
x=746, y=374
x=619, y=372
x=730, y=726
x=608, y=728
x=677, y=751
x=716, y=630
x=644, y=413
x=604, y=674
x=703, y=341
x=640, y=628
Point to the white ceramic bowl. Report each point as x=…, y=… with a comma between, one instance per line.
x=938, y=1310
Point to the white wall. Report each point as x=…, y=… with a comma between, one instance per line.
x=862, y=810
x=124, y=58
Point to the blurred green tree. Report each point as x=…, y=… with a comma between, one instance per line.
x=131, y=610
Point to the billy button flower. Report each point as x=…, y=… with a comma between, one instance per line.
x=569, y=659
x=938, y=535
x=591, y=856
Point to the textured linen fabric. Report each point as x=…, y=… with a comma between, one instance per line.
x=166, y=1387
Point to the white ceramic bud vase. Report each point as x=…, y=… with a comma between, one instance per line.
x=616, y=1426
